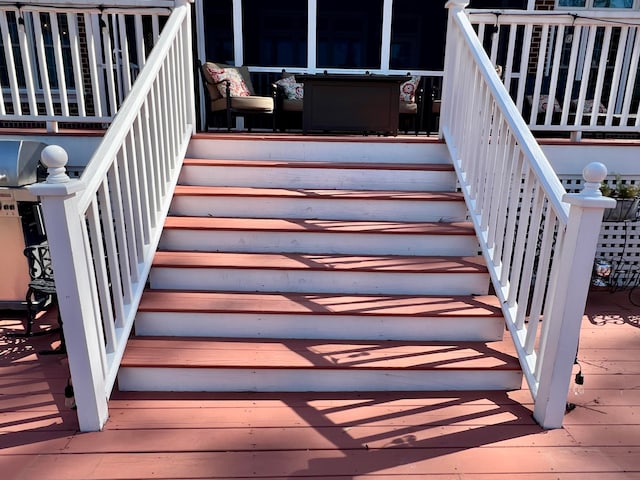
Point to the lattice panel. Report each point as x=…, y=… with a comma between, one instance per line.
x=619, y=242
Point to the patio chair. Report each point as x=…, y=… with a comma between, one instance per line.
x=230, y=94
x=41, y=293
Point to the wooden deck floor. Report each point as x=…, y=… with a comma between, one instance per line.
x=383, y=436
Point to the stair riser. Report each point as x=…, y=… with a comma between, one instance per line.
x=302, y=281
x=312, y=380
x=317, y=243
x=389, y=210
x=339, y=327
x=324, y=178
x=308, y=150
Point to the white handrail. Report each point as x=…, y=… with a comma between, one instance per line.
x=538, y=241
x=567, y=71
x=107, y=224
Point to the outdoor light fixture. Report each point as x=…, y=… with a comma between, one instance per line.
x=601, y=273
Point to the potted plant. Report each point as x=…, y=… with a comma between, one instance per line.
x=627, y=196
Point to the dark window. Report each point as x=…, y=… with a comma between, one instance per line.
x=519, y=4
x=418, y=35
x=275, y=34
x=218, y=28
x=47, y=38
x=349, y=33
x=17, y=58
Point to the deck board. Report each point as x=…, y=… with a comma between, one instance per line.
x=321, y=304
x=319, y=226
x=368, y=436
x=253, y=192
x=205, y=352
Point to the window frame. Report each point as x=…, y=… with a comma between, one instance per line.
x=589, y=6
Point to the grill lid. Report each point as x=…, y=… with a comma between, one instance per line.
x=19, y=161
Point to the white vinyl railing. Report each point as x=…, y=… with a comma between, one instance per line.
x=73, y=64
x=567, y=71
x=538, y=241
x=107, y=224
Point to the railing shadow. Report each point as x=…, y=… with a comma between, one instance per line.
x=612, y=308
x=390, y=431
x=32, y=402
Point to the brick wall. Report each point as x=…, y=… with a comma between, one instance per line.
x=545, y=4
x=535, y=39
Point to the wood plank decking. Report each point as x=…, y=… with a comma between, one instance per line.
x=382, y=436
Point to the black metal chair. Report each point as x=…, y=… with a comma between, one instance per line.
x=41, y=292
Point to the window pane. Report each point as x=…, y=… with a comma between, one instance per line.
x=612, y=3
x=275, y=34
x=418, y=35
x=349, y=33
x=518, y=4
x=218, y=31
x=571, y=3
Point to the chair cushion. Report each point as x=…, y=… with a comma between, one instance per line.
x=292, y=90
x=408, y=90
x=253, y=103
x=408, y=108
x=215, y=72
x=544, y=102
x=588, y=106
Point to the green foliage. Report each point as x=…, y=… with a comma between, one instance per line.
x=620, y=189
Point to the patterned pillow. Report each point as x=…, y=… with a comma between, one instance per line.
x=292, y=89
x=408, y=90
x=237, y=87
x=543, y=104
x=588, y=106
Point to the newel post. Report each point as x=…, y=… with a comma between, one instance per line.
x=70, y=256
x=450, y=59
x=558, y=351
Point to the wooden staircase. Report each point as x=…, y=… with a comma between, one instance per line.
x=342, y=265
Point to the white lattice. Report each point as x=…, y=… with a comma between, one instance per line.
x=619, y=242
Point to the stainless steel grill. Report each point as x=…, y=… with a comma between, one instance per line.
x=19, y=161
x=20, y=221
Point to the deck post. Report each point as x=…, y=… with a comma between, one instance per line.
x=69, y=257
x=188, y=66
x=558, y=352
x=450, y=56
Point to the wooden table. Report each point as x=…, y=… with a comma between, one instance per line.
x=351, y=103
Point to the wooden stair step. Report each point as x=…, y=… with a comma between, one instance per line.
x=327, y=262
x=319, y=226
x=199, y=352
x=322, y=194
x=320, y=304
x=204, y=162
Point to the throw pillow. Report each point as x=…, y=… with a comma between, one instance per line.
x=408, y=90
x=292, y=90
x=543, y=104
x=237, y=87
x=588, y=106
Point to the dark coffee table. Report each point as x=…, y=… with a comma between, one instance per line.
x=366, y=104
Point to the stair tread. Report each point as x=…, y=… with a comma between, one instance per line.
x=322, y=194
x=326, y=262
x=319, y=226
x=320, y=304
x=205, y=352
x=212, y=162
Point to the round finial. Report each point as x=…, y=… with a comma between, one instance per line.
x=595, y=172
x=55, y=158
